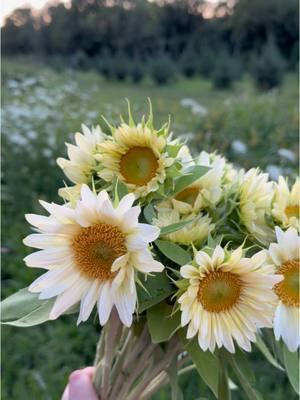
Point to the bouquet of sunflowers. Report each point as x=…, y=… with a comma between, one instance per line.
x=186, y=261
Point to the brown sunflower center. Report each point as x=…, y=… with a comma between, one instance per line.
x=96, y=248
x=218, y=291
x=188, y=195
x=139, y=165
x=288, y=289
x=292, y=211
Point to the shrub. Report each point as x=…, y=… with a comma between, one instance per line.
x=206, y=62
x=137, y=70
x=224, y=72
x=268, y=67
x=188, y=63
x=80, y=60
x=104, y=65
x=120, y=66
x=162, y=69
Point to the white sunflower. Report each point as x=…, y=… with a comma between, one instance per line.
x=137, y=155
x=205, y=191
x=255, y=196
x=92, y=253
x=195, y=232
x=81, y=163
x=286, y=204
x=227, y=297
x=285, y=255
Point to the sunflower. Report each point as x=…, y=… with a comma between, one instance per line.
x=207, y=190
x=79, y=167
x=92, y=253
x=286, y=203
x=255, y=196
x=194, y=232
x=227, y=297
x=285, y=255
x=137, y=155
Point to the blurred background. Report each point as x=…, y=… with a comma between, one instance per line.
x=227, y=74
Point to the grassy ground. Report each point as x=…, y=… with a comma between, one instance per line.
x=41, y=110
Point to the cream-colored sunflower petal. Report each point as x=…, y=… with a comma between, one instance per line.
x=61, y=213
x=277, y=254
x=59, y=286
x=46, y=224
x=50, y=278
x=126, y=203
x=120, y=262
x=67, y=299
x=148, y=232
x=286, y=325
x=130, y=218
x=88, y=197
x=105, y=302
x=48, y=258
x=88, y=301
x=189, y=272
x=203, y=260
x=125, y=302
x=43, y=240
x=218, y=256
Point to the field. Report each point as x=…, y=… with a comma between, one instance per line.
x=41, y=109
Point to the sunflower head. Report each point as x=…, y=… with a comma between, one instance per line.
x=137, y=154
x=226, y=297
x=286, y=204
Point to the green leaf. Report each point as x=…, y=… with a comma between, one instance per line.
x=260, y=344
x=24, y=309
x=291, y=362
x=119, y=190
x=173, y=149
x=174, y=227
x=240, y=372
x=243, y=363
x=223, y=383
x=174, y=171
x=191, y=176
x=149, y=213
x=174, y=252
x=158, y=287
x=206, y=364
x=162, y=324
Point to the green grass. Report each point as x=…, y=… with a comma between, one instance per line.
x=39, y=115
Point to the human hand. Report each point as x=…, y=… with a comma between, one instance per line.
x=80, y=386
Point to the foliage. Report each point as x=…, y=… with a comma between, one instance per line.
x=178, y=29
x=162, y=69
x=268, y=67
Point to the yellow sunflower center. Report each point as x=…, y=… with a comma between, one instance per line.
x=219, y=291
x=188, y=195
x=139, y=165
x=292, y=211
x=96, y=248
x=288, y=289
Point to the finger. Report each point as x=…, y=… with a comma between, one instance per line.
x=81, y=386
x=89, y=371
x=65, y=395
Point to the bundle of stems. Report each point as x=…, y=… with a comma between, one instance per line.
x=128, y=366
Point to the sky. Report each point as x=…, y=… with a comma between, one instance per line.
x=7, y=6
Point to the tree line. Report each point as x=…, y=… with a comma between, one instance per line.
x=123, y=38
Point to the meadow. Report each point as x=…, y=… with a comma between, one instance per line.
x=41, y=109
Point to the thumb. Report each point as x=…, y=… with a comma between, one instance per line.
x=81, y=385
